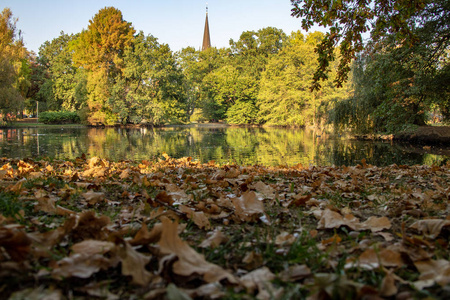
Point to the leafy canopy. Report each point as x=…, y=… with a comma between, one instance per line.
x=349, y=20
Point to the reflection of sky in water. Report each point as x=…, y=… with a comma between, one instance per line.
x=268, y=146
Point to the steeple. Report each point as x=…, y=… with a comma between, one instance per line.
x=206, y=38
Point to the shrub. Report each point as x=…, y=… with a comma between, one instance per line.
x=59, y=117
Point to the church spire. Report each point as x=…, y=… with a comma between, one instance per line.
x=206, y=38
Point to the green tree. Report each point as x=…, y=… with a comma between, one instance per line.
x=62, y=82
x=14, y=67
x=285, y=98
x=100, y=50
x=196, y=67
x=348, y=20
x=151, y=89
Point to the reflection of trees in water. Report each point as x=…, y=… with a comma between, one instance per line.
x=376, y=153
x=269, y=146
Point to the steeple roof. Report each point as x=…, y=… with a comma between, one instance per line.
x=206, y=38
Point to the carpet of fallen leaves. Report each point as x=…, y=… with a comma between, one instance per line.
x=179, y=229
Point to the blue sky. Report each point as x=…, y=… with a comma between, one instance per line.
x=175, y=22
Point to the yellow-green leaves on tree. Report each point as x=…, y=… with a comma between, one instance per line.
x=103, y=43
x=13, y=65
x=100, y=50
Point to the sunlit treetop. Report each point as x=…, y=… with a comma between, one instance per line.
x=105, y=39
x=348, y=20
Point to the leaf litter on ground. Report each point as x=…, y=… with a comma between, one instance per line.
x=180, y=229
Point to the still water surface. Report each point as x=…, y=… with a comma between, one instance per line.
x=246, y=146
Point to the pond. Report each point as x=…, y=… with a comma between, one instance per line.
x=245, y=146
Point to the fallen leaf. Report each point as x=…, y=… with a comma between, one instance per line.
x=260, y=279
x=93, y=197
x=81, y=265
x=15, y=242
x=331, y=219
x=91, y=247
x=294, y=273
x=133, y=264
x=199, y=217
x=189, y=261
x=376, y=224
x=248, y=206
x=388, y=287
x=372, y=259
x=433, y=271
x=144, y=237
x=265, y=190
x=430, y=228
x=284, y=238
x=214, y=240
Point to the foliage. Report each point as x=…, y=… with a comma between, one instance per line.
x=99, y=50
x=58, y=117
x=14, y=67
x=348, y=20
x=394, y=88
x=284, y=98
x=221, y=231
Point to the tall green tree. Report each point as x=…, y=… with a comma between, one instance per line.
x=62, y=81
x=100, y=50
x=196, y=67
x=151, y=89
x=14, y=67
x=285, y=98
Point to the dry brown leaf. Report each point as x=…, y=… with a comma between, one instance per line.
x=372, y=259
x=95, y=172
x=15, y=242
x=199, y=217
x=125, y=174
x=164, y=198
x=177, y=194
x=331, y=219
x=252, y=260
x=209, y=291
x=376, y=224
x=284, y=238
x=296, y=272
x=92, y=247
x=39, y=293
x=388, y=287
x=133, y=264
x=144, y=237
x=214, y=240
x=247, y=206
x=93, y=197
x=86, y=226
x=189, y=261
x=260, y=280
x=335, y=239
x=265, y=190
x=433, y=271
x=219, y=175
x=430, y=228
x=81, y=265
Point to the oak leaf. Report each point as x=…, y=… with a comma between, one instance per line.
x=81, y=265
x=93, y=197
x=430, y=228
x=248, y=206
x=189, y=261
x=133, y=264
